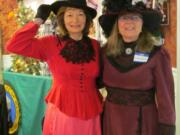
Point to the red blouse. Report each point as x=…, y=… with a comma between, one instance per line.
x=74, y=89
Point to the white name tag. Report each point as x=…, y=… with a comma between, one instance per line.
x=141, y=57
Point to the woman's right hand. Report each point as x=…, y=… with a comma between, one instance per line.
x=43, y=12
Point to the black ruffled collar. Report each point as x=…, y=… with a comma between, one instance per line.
x=77, y=52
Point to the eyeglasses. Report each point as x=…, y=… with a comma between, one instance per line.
x=130, y=17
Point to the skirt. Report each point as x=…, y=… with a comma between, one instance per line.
x=58, y=123
x=127, y=120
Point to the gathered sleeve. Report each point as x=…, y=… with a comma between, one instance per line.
x=165, y=96
x=24, y=42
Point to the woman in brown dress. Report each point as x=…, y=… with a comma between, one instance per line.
x=137, y=72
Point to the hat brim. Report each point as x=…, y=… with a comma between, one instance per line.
x=107, y=22
x=151, y=21
x=58, y=4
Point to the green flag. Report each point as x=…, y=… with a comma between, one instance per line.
x=30, y=91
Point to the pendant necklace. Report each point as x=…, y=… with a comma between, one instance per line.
x=128, y=51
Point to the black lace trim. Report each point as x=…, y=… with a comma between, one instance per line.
x=133, y=65
x=78, y=52
x=131, y=97
x=165, y=129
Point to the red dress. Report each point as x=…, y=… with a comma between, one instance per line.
x=74, y=91
x=127, y=112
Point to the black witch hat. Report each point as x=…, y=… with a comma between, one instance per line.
x=82, y=4
x=114, y=8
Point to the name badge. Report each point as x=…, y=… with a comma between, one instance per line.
x=141, y=57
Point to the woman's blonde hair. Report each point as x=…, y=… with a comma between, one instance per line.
x=61, y=26
x=114, y=45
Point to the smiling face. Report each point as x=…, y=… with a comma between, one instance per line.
x=74, y=20
x=130, y=26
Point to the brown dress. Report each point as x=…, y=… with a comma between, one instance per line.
x=140, y=97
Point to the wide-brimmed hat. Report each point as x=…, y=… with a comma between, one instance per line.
x=73, y=3
x=114, y=8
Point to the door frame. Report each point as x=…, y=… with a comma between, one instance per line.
x=178, y=71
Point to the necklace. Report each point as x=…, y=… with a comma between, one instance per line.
x=128, y=51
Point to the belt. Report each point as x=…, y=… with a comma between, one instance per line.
x=130, y=96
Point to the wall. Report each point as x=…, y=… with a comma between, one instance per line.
x=178, y=72
x=170, y=32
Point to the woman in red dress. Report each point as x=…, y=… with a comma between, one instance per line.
x=137, y=73
x=73, y=103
